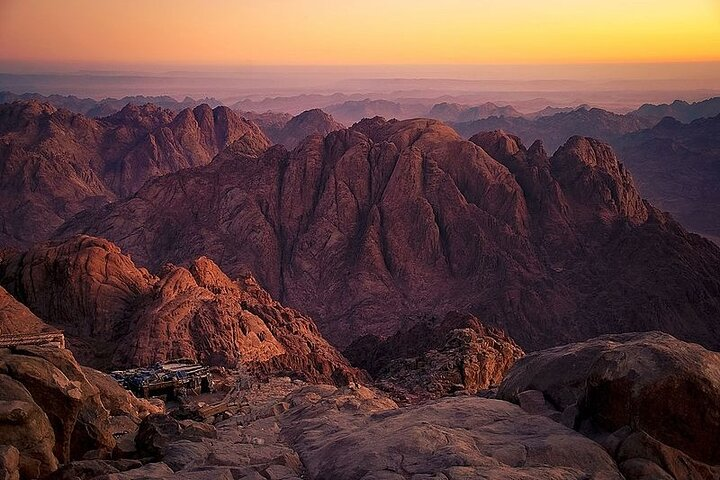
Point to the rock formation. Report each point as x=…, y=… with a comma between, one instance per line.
x=649, y=398
x=54, y=163
x=390, y=220
x=435, y=358
x=116, y=314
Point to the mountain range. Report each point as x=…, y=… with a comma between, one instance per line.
x=677, y=165
x=370, y=227
x=55, y=163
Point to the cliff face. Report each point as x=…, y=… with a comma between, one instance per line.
x=54, y=163
x=116, y=314
x=389, y=219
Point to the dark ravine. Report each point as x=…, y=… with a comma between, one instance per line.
x=388, y=220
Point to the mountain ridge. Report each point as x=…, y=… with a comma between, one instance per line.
x=55, y=163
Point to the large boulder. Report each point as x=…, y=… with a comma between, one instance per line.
x=354, y=434
x=649, y=383
x=59, y=397
x=92, y=430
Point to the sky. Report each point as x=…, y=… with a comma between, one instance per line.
x=369, y=32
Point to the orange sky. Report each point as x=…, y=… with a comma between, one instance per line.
x=325, y=32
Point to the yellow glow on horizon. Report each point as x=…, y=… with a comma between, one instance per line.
x=324, y=32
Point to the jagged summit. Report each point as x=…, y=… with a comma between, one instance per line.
x=56, y=163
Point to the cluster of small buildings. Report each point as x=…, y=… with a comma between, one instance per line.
x=173, y=379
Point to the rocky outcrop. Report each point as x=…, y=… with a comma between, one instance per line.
x=390, y=220
x=52, y=410
x=649, y=398
x=435, y=358
x=54, y=163
x=16, y=318
x=357, y=434
x=116, y=314
x=310, y=122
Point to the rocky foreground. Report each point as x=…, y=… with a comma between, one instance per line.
x=631, y=395
x=634, y=406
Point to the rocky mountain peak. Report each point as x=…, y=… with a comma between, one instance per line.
x=591, y=173
x=299, y=127
x=537, y=153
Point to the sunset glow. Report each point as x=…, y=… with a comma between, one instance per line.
x=319, y=32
